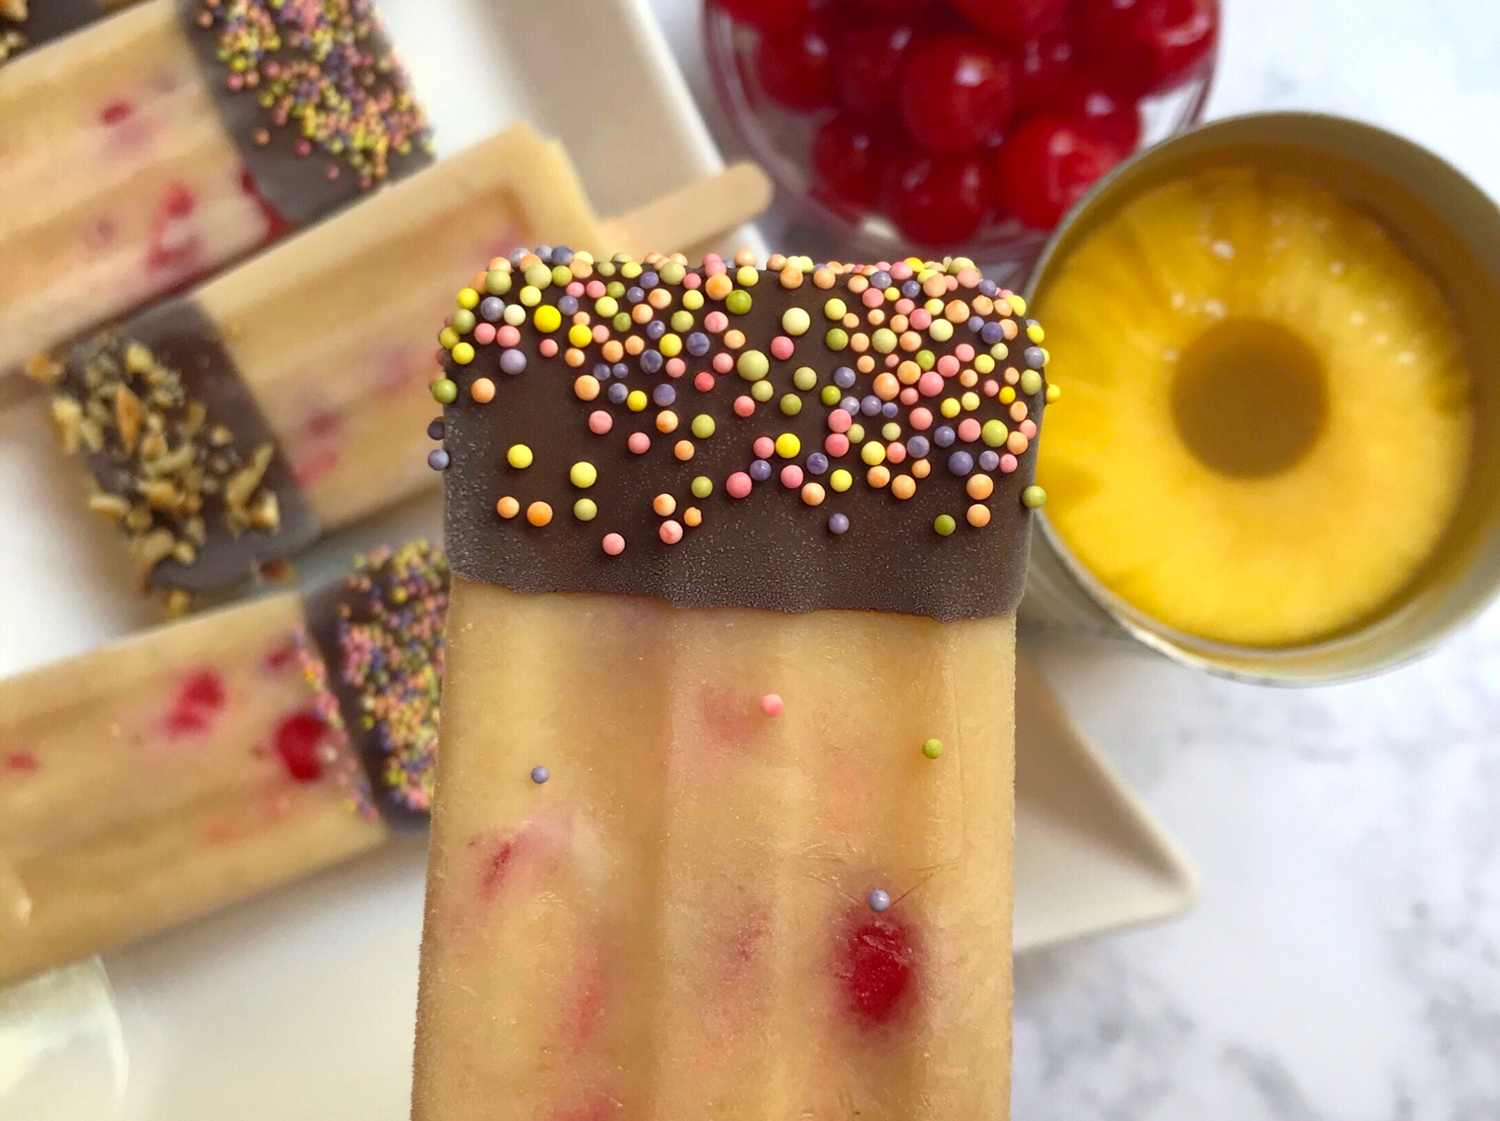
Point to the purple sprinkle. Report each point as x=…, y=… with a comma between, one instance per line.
x=992, y=333
x=635, y=293
x=601, y=371
x=917, y=447
x=976, y=323
x=664, y=395
x=889, y=410
x=655, y=329
x=760, y=470
x=843, y=377
x=1034, y=357
x=870, y=406
x=435, y=429
x=838, y=523
x=562, y=255
x=989, y=459
x=879, y=901
x=880, y=279
x=960, y=463
x=989, y=287
x=649, y=279
x=491, y=308
x=512, y=362
x=697, y=344
x=518, y=255
x=544, y=252
x=618, y=393
x=817, y=463
x=943, y=436
x=568, y=305
x=651, y=361
x=911, y=289
x=438, y=459
x=540, y=775
x=850, y=405
x=619, y=369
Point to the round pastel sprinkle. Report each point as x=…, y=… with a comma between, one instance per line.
x=435, y=429
x=512, y=362
x=738, y=302
x=518, y=456
x=583, y=474
x=1031, y=382
x=880, y=901
x=944, y=524
x=445, y=391
x=540, y=775
x=539, y=514
x=1033, y=498
x=702, y=486
x=932, y=748
x=771, y=704
x=613, y=544
x=838, y=523
x=585, y=509
x=670, y=532
x=796, y=321
x=438, y=459
x=738, y=485
x=752, y=365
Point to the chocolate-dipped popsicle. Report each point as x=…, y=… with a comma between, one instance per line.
x=726, y=809
x=165, y=142
x=25, y=24
x=198, y=764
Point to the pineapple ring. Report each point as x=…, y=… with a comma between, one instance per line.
x=1295, y=548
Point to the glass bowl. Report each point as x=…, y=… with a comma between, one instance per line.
x=780, y=139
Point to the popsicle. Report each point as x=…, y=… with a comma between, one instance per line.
x=229, y=427
x=165, y=142
x=25, y=24
x=724, y=820
x=195, y=765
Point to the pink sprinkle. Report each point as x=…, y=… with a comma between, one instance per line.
x=892, y=361
x=1028, y=429
x=507, y=336
x=614, y=544
x=782, y=348
x=575, y=289
x=873, y=297
x=921, y=419
x=738, y=485
x=951, y=283
x=968, y=430
x=969, y=278
x=713, y=264
x=484, y=334
x=692, y=280
x=744, y=405
x=601, y=334
x=715, y=322
x=948, y=366
x=771, y=704
x=895, y=452
x=703, y=382
x=676, y=367
x=836, y=444
x=964, y=352
x=764, y=447
x=921, y=319
x=930, y=384
x=594, y=289
x=839, y=421
x=547, y=348
x=671, y=531
x=600, y=422
x=991, y=387
x=1012, y=375
x=1008, y=463
x=904, y=306
x=791, y=476
x=442, y=355
x=908, y=395
x=900, y=270
x=723, y=362
x=448, y=320
x=639, y=443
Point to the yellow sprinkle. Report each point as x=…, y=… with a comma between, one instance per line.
x=840, y=480
x=1035, y=333
x=519, y=456
x=636, y=401
x=1007, y=394
x=547, y=319
x=670, y=345
x=530, y=296
x=583, y=475
x=448, y=337
x=1053, y=393
x=787, y=445
x=1017, y=305
x=580, y=335
x=949, y=408
x=468, y=299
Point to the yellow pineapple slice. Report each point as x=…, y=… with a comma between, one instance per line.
x=1268, y=422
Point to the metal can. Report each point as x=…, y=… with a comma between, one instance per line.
x=1449, y=226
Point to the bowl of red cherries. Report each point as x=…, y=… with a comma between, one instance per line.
x=969, y=125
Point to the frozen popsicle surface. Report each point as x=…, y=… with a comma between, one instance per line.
x=726, y=807
x=165, y=142
x=195, y=765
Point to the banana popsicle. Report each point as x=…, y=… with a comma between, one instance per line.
x=195, y=765
x=165, y=142
x=725, y=815
x=230, y=427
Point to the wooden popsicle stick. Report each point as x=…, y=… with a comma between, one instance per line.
x=694, y=213
x=150, y=782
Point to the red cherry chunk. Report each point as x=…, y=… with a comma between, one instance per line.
x=848, y=165
x=867, y=65
x=768, y=16
x=876, y=966
x=938, y=200
x=796, y=69
x=1044, y=68
x=956, y=92
x=297, y=742
x=1140, y=47
x=1012, y=21
x=1046, y=166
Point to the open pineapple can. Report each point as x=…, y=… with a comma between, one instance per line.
x=1277, y=451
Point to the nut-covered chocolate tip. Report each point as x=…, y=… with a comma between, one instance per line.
x=790, y=436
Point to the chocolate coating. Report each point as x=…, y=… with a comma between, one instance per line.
x=771, y=549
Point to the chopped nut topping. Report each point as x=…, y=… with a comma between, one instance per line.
x=127, y=416
x=43, y=368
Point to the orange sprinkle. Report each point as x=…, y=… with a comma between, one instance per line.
x=664, y=505
x=921, y=468
x=878, y=475
x=507, y=507
x=908, y=373
x=1018, y=411
x=791, y=277
x=666, y=421
x=911, y=341
x=956, y=312
x=813, y=494
x=968, y=379
x=574, y=357
x=745, y=258
x=1008, y=329
x=683, y=450
x=641, y=313
x=660, y=298
x=734, y=338
x=1016, y=443
x=717, y=287
x=979, y=487
x=979, y=515
x=634, y=344
x=824, y=278
x=865, y=363
x=539, y=513
x=899, y=323
x=612, y=351
x=859, y=342
x=903, y=486
x=483, y=390
x=586, y=387
x=692, y=517
x=850, y=320
x=983, y=305
x=886, y=386
x=876, y=316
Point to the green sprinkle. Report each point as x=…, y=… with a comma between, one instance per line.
x=932, y=748
x=606, y=268
x=538, y=275
x=762, y=391
x=702, y=486
x=607, y=306
x=1033, y=498
x=682, y=321
x=926, y=360
x=994, y=433
x=856, y=433
x=944, y=524
x=884, y=340
x=999, y=352
x=796, y=321
x=791, y=404
x=448, y=337
x=463, y=322
x=830, y=395
x=752, y=364
x=562, y=276
x=672, y=272
x=497, y=282
x=738, y=302
x=445, y=391
x=941, y=330
x=622, y=322
x=805, y=378
x=703, y=426
x=890, y=430
x=837, y=339
x=585, y=510
x=614, y=288
x=1031, y=381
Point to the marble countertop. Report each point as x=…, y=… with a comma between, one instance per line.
x=1344, y=963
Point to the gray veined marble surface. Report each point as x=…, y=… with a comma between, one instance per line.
x=1344, y=963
